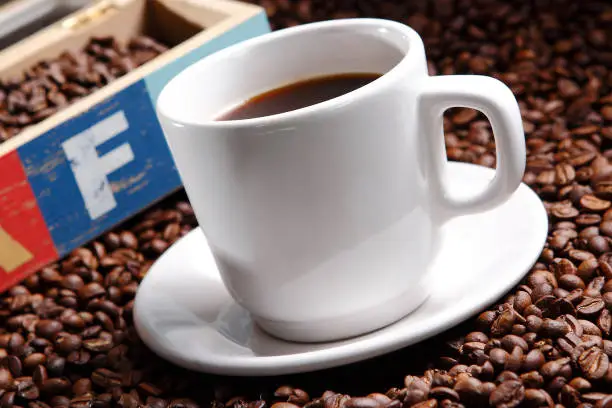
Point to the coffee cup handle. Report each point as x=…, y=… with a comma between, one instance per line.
x=493, y=98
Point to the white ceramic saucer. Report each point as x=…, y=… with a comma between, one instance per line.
x=184, y=313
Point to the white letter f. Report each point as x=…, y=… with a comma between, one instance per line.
x=90, y=170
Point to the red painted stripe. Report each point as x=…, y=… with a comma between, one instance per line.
x=25, y=241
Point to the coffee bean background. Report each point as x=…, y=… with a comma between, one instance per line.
x=67, y=338
x=52, y=85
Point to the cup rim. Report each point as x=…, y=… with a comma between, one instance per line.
x=386, y=79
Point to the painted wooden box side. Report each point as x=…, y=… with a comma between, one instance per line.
x=74, y=182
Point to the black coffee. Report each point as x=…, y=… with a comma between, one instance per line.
x=299, y=95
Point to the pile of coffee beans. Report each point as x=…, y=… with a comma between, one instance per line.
x=66, y=334
x=54, y=84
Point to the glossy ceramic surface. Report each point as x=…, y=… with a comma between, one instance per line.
x=342, y=201
x=184, y=313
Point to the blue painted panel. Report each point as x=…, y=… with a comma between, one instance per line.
x=101, y=167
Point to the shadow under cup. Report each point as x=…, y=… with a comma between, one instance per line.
x=283, y=271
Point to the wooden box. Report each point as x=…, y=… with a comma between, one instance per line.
x=66, y=180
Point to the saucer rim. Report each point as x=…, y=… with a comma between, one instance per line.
x=335, y=353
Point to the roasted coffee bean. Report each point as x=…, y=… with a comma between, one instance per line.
x=554, y=386
x=595, y=287
x=38, y=404
x=590, y=306
x=104, y=320
x=26, y=388
x=509, y=394
x=55, y=386
x=587, y=268
x=416, y=390
x=442, y=379
x=590, y=328
x=605, y=402
x=487, y=371
x=128, y=239
x=7, y=399
x=530, y=338
x=59, y=401
x=40, y=375
x=81, y=402
x=91, y=291
x=604, y=322
x=590, y=340
x=569, y=396
x=53, y=85
x=98, y=344
x=533, y=360
x=555, y=328
x=607, y=298
x=485, y=319
x=471, y=347
x=552, y=368
x=6, y=379
x=55, y=366
x=507, y=376
x=73, y=322
x=498, y=357
x=68, y=343
x=106, y=378
x=152, y=390
x=568, y=342
x=594, y=363
x=593, y=397
x=444, y=393
x=607, y=347
x=487, y=389
x=563, y=305
x=515, y=360
x=592, y=203
x=153, y=402
x=14, y=365
x=580, y=384
x=432, y=403
x=73, y=282
x=521, y=301
x=477, y=337
x=78, y=358
x=358, y=402
x=468, y=388
x=575, y=296
x=335, y=400
x=541, y=277
x=510, y=341
x=532, y=379
x=48, y=328
x=537, y=398
x=33, y=360
x=598, y=244
x=172, y=232
x=91, y=331
x=571, y=282
x=502, y=324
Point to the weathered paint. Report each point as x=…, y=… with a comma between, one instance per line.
x=98, y=158
x=25, y=242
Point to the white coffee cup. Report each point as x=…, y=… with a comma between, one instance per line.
x=324, y=220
